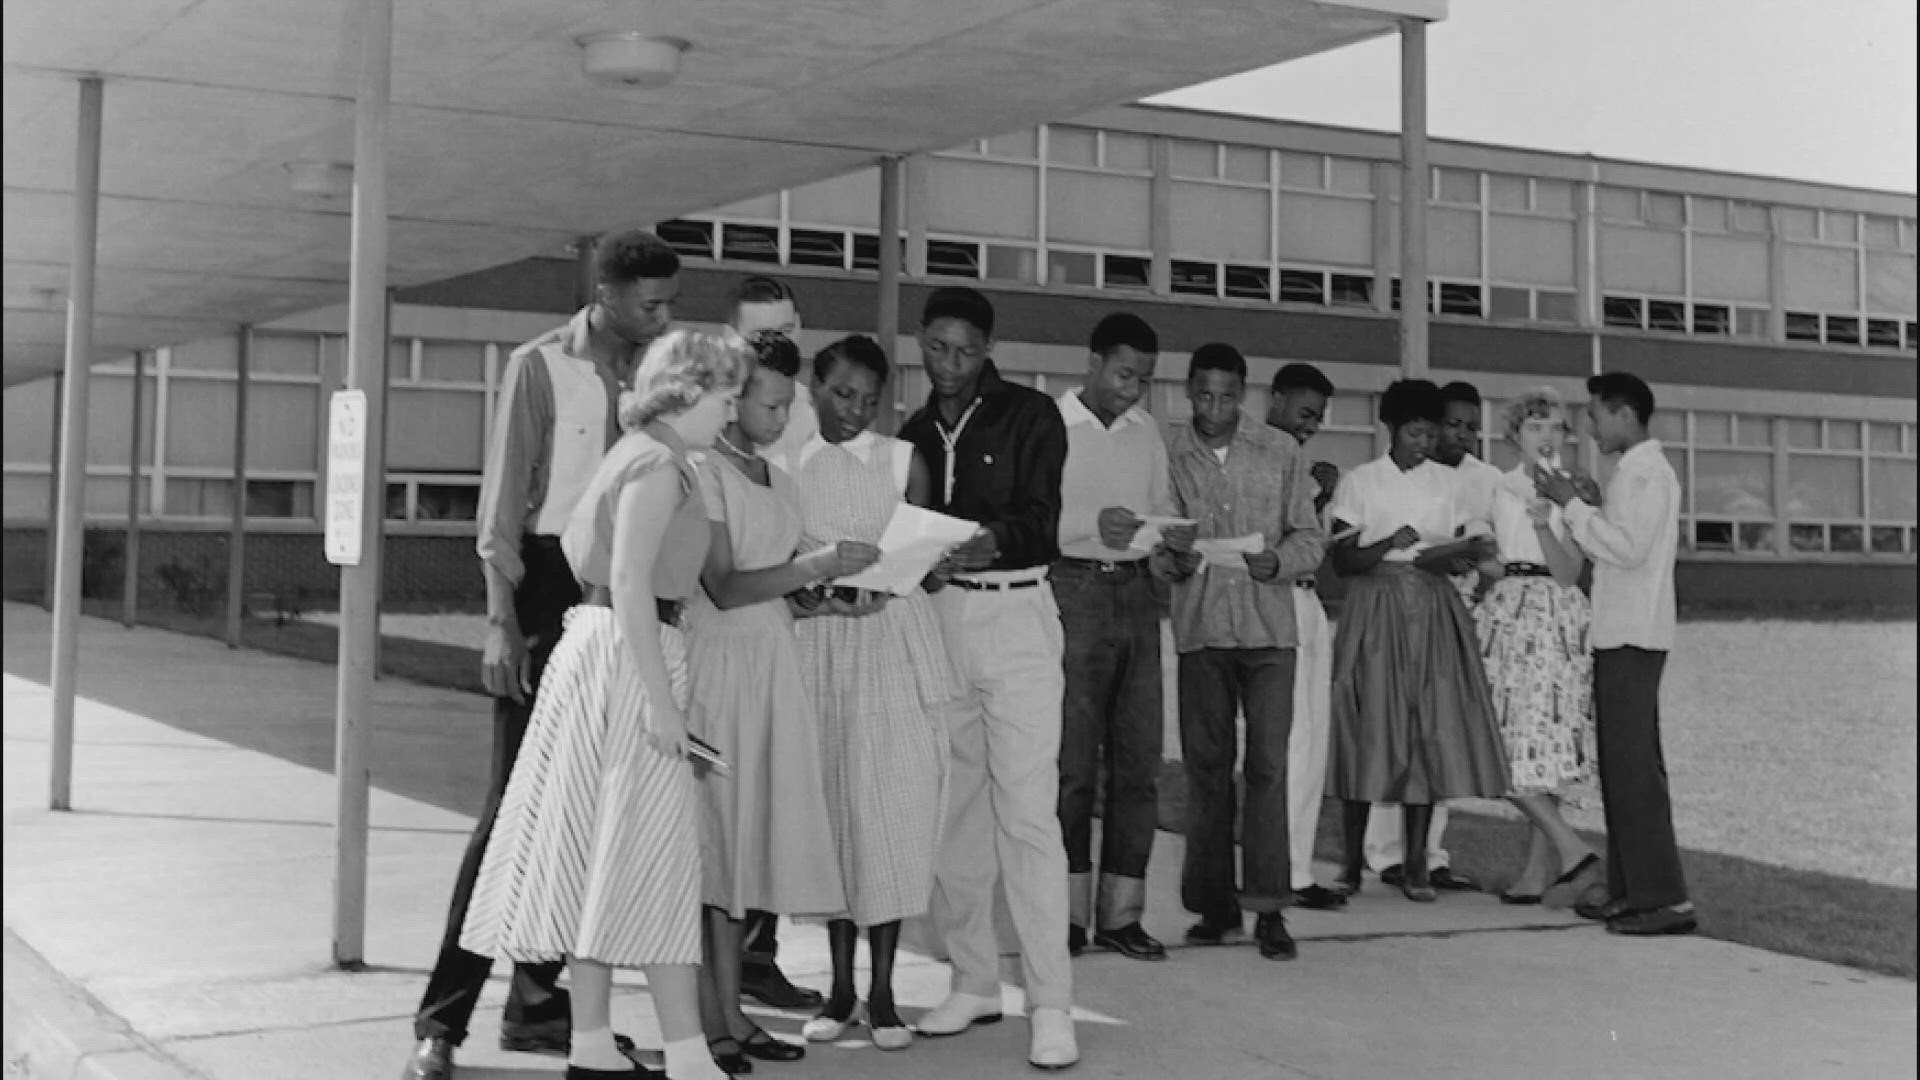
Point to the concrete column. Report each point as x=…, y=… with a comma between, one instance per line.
x=1587, y=291
x=1415, y=180
x=1776, y=278
x=130, y=584
x=1782, y=487
x=1160, y=218
x=1385, y=177
x=53, y=494
x=237, y=527
x=360, y=585
x=886, y=323
x=915, y=212
x=73, y=439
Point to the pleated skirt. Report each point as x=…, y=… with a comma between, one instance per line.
x=595, y=852
x=1413, y=720
x=1534, y=644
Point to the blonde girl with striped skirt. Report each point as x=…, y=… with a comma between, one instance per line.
x=595, y=855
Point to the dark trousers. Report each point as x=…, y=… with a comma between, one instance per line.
x=1112, y=700
x=1215, y=684
x=546, y=591
x=1643, y=860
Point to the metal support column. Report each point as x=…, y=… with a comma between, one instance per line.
x=73, y=440
x=886, y=324
x=360, y=584
x=1415, y=181
x=53, y=494
x=237, y=526
x=130, y=585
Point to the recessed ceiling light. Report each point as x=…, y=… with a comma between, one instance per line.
x=327, y=179
x=631, y=57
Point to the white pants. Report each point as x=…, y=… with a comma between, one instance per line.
x=1386, y=847
x=1307, y=742
x=1003, y=822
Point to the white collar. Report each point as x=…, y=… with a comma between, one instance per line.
x=1074, y=411
x=861, y=446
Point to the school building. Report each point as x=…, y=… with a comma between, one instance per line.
x=1775, y=319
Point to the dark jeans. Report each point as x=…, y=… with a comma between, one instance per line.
x=1215, y=684
x=1113, y=698
x=1643, y=859
x=546, y=591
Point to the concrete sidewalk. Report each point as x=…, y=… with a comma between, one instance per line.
x=177, y=923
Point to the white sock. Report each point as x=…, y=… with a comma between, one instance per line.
x=690, y=1059
x=596, y=1050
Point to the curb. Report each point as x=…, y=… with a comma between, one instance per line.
x=55, y=1030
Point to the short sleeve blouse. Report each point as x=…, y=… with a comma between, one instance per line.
x=588, y=539
x=1380, y=497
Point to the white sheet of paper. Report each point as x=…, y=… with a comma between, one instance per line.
x=915, y=539
x=1149, y=533
x=1228, y=552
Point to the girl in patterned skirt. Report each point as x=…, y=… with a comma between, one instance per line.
x=594, y=857
x=1533, y=640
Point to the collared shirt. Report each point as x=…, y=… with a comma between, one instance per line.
x=1632, y=540
x=1005, y=467
x=861, y=446
x=1475, y=482
x=1380, y=497
x=803, y=423
x=1513, y=528
x=1264, y=487
x=515, y=480
x=1123, y=465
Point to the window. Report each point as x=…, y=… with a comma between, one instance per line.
x=1619, y=204
x=1709, y=215
x=1712, y=319
x=1070, y=268
x=1888, y=540
x=1751, y=322
x=866, y=251
x=1203, y=279
x=1803, y=326
x=1510, y=303
x=1071, y=146
x=692, y=239
x=1458, y=299
x=194, y=497
x=1125, y=271
x=279, y=499
x=1552, y=197
x=1667, y=211
x=1458, y=186
x=1507, y=192
x=1351, y=290
x=1246, y=164
x=1843, y=330
x=1012, y=264
x=396, y=501
x=1668, y=315
x=1625, y=311
x=1883, y=333
x=1883, y=233
x=750, y=243
x=1754, y=536
x=1248, y=282
x=1911, y=335
x=1121, y=150
x=808, y=247
x=1713, y=536
x=1797, y=222
x=1559, y=307
x=1302, y=171
x=1351, y=176
x=1024, y=145
x=1303, y=286
x=446, y=502
x=952, y=258
x=1197, y=160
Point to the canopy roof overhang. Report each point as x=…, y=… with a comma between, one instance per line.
x=501, y=148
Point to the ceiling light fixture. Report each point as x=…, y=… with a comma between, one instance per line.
x=327, y=179
x=631, y=57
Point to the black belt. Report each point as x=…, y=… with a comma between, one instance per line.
x=665, y=610
x=1526, y=569
x=972, y=585
x=1305, y=583
x=1113, y=572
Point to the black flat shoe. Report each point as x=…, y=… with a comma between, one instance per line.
x=1318, y=897
x=1519, y=898
x=1270, y=930
x=1445, y=877
x=1131, y=941
x=733, y=1061
x=1393, y=876
x=767, y=1048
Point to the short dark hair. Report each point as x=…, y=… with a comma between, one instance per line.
x=1463, y=392
x=1611, y=388
x=1217, y=356
x=858, y=350
x=1301, y=377
x=1412, y=399
x=623, y=258
x=775, y=351
x=959, y=302
x=1123, y=328
x=761, y=289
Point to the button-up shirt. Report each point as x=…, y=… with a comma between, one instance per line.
x=1632, y=541
x=1124, y=465
x=513, y=483
x=1263, y=487
x=1004, y=471
x=1475, y=482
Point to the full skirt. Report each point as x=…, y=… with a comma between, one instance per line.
x=1533, y=640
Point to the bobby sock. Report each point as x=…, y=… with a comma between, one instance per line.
x=596, y=1050
x=690, y=1059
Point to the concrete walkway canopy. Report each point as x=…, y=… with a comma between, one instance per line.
x=500, y=147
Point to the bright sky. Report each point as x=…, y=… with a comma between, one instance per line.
x=1810, y=89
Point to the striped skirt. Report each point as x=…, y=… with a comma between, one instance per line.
x=595, y=852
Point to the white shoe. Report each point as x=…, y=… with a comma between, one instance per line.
x=1053, y=1045
x=958, y=1013
x=822, y=1029
x=893, y=1038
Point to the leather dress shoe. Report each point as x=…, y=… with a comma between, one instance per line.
x=1270, y=930
x=1052, y=1044
x=1076, y=940
x=958, y=1013
x=1213, y=932
x=762, y=980
x=1318, y=897
x=431, y=1060
x=1446, y=877
x=1393, y=876
x=729, y=1055
x=1131, y=941
x=1666, y=920
x=1606, y=909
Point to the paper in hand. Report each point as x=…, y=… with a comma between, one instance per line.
x=915, y=539
x=1148, y=536
x=1230, y=552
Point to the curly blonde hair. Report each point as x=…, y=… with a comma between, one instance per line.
x=1539, y=403
x=680, y=368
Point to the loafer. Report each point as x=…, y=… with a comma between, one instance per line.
x=1658, y=921
x=1446, y=877
x=431, y=1060
x=1052, y=1043
x=1131, y=941
x=1213, y=932
x=825, y=1028
x=762, y=980
x=1270, y=930
x=1076, y=940
x=1393, y=876
x=1610, y=908
x=1317, y=897
x=958, y=1013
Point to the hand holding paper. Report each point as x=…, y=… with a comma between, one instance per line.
x=1230, y=552
x=1150, y=533
x=915, y=539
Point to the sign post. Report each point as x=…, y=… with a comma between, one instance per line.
x=346, y=453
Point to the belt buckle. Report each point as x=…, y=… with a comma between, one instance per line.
x=1107, y=566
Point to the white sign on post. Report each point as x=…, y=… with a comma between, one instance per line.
x=346, y=456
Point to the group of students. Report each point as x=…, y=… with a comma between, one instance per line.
x=697, y=731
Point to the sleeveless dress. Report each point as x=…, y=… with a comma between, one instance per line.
x=764, y=834
x=595, y=853
x=882, y=686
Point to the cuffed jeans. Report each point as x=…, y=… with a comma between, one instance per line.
x=1215, y=685
x=1113, y=701
x=1643, y=858
x=1002, y=823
